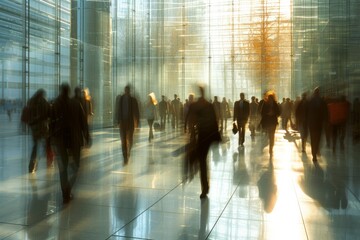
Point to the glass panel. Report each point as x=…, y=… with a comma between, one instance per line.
x=168, y=46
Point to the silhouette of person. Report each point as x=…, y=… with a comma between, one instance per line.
x=87, y=104
x=204, y=116
x=190, y=164
x=39, y=110
x=150, y=114
x=175, y=107
x=339, y=112
x=217, y=107
x=78, y=97
x=269, y=117
x=316, y=115
x=70, y=128
x=286, y=110
x=241, y=116
x=268, y=189
x=163, y=111
x=301, y=120
x=253, y=119
x=225, y=113
x=189, y=123
x=127, y=115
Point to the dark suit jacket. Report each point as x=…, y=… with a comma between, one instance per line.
x=133, y=113
x=69, y=120
x=241, y=114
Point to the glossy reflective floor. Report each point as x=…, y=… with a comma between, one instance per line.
x=249, y=198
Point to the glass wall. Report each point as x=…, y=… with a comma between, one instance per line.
x=34, y=41
x=326, y=46
x=168, y=46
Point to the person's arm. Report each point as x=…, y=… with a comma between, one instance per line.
x=235, y=112
x=136, y=113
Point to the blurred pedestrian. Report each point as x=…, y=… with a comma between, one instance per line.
x=217, y=107
x=241, y=116
x=175, y=109
x=225, y=114
x=39, y=112
x=87, y=104
x=316, y=115
x=339, y=113
x=128, y=116
x=204, y=116
x=286, y=110
x=70, y=128
x=150, y=114
x=86, y=110
x=302, y=120
x=269, y=117
x=253, y=119
x=163, y=111
x=189, y=123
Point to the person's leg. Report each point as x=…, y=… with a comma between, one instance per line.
x=204, y=179
x=150, y=123
x=334, y=136
x=177, y=120
x=76, y=149
x=173, y=120
x=225, y=123
x=303, y=135
x=342, y=133
x=130, y=139
x=239, y=132
x=63, y=171
x=315, y=134
x=312, y=144
x=242, y=133
x=123, y=142
x=32, y=163
x=49, y=153
x=163, y=122
x=271, y=134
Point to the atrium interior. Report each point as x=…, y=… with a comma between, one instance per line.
x=167, y=47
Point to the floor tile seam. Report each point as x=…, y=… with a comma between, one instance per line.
x=301, y=213
x=15, y=224
x=259, y=220
x=351, y=191
x=218, y=218
x=129, y=237
x=145, y=210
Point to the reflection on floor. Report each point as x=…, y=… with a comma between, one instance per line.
x=250, y=196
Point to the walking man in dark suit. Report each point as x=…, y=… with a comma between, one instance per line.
x=127, y=116
x=163, y=111
x=241, y=116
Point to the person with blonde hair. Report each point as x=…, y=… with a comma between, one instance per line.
x=87, y=104
x=150, y=113
x=269, y=117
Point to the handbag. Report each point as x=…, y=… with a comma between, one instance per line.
x=234, y=129
x=156, y=126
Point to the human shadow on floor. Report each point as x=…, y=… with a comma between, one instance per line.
x=204, y=219
x=291, y=136
x=268, y=188
x=328, y=191
x=241, y=176
x=39, y=227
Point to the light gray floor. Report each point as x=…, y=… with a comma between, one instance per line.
x=148, y=200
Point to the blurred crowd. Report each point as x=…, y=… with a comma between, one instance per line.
x=63, y=124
